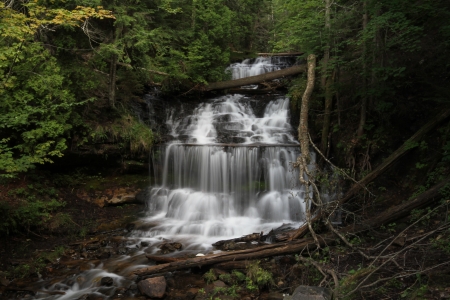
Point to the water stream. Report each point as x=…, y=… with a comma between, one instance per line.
x=227, y=173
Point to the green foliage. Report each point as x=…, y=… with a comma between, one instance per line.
x=210, y=276
x=34, y=206
x=257, y=276
x=131, y=135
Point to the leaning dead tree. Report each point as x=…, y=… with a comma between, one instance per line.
x=305, y=176
x=409, y=144
x=221, y=85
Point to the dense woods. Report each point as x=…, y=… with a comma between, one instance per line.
x=71, y=71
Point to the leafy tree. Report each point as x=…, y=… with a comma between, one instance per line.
x=36, y=108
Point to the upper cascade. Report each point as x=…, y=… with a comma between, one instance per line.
x=259, y=65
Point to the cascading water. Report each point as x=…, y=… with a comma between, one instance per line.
x=231, y=175
x=227, y=172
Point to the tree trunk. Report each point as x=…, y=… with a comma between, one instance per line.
x=363, y=110
x=254, y=79
x=326, y=81
x=112, y=80
x=303, y=126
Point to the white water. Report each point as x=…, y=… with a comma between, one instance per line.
x=258, y=66
x=229, y=179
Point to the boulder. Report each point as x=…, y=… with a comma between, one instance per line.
x=111, y=197
x=153, y=287
x=107, y=281
x=304, y=292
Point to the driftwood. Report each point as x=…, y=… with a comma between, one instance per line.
x=221, y=85
x=297, y=246
x=388, y=162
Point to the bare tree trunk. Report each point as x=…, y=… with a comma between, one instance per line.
x=304, y=159
x=303, y=126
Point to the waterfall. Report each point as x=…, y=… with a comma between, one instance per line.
x=228, y=172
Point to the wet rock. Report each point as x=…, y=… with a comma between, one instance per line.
x=81, y=280
x=144, y=244
x=107, y=281
x=219, y=283
x=153, y=287
x=104, y=253
x=169, y=247
x=122, y=250
x=304, y=292
x=107, y=290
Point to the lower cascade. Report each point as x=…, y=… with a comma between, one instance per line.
x=231, y=175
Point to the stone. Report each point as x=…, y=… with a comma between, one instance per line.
x=219, y=283
x=153, y=287
x=304, y=292
x=107, y=281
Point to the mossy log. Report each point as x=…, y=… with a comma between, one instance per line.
x=221, y=85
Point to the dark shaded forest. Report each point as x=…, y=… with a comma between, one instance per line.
x=72, y=71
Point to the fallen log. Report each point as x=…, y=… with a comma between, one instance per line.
x=388, y=162
x=280, y=54
x=221, y=85
x=163, y=259
x=297, y=246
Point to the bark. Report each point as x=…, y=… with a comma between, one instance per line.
x=303, y=126
x=255, y=79
x=326, y=116
x=112, y=80
x=163, y=259
x=233, y=259
x=409, y=144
